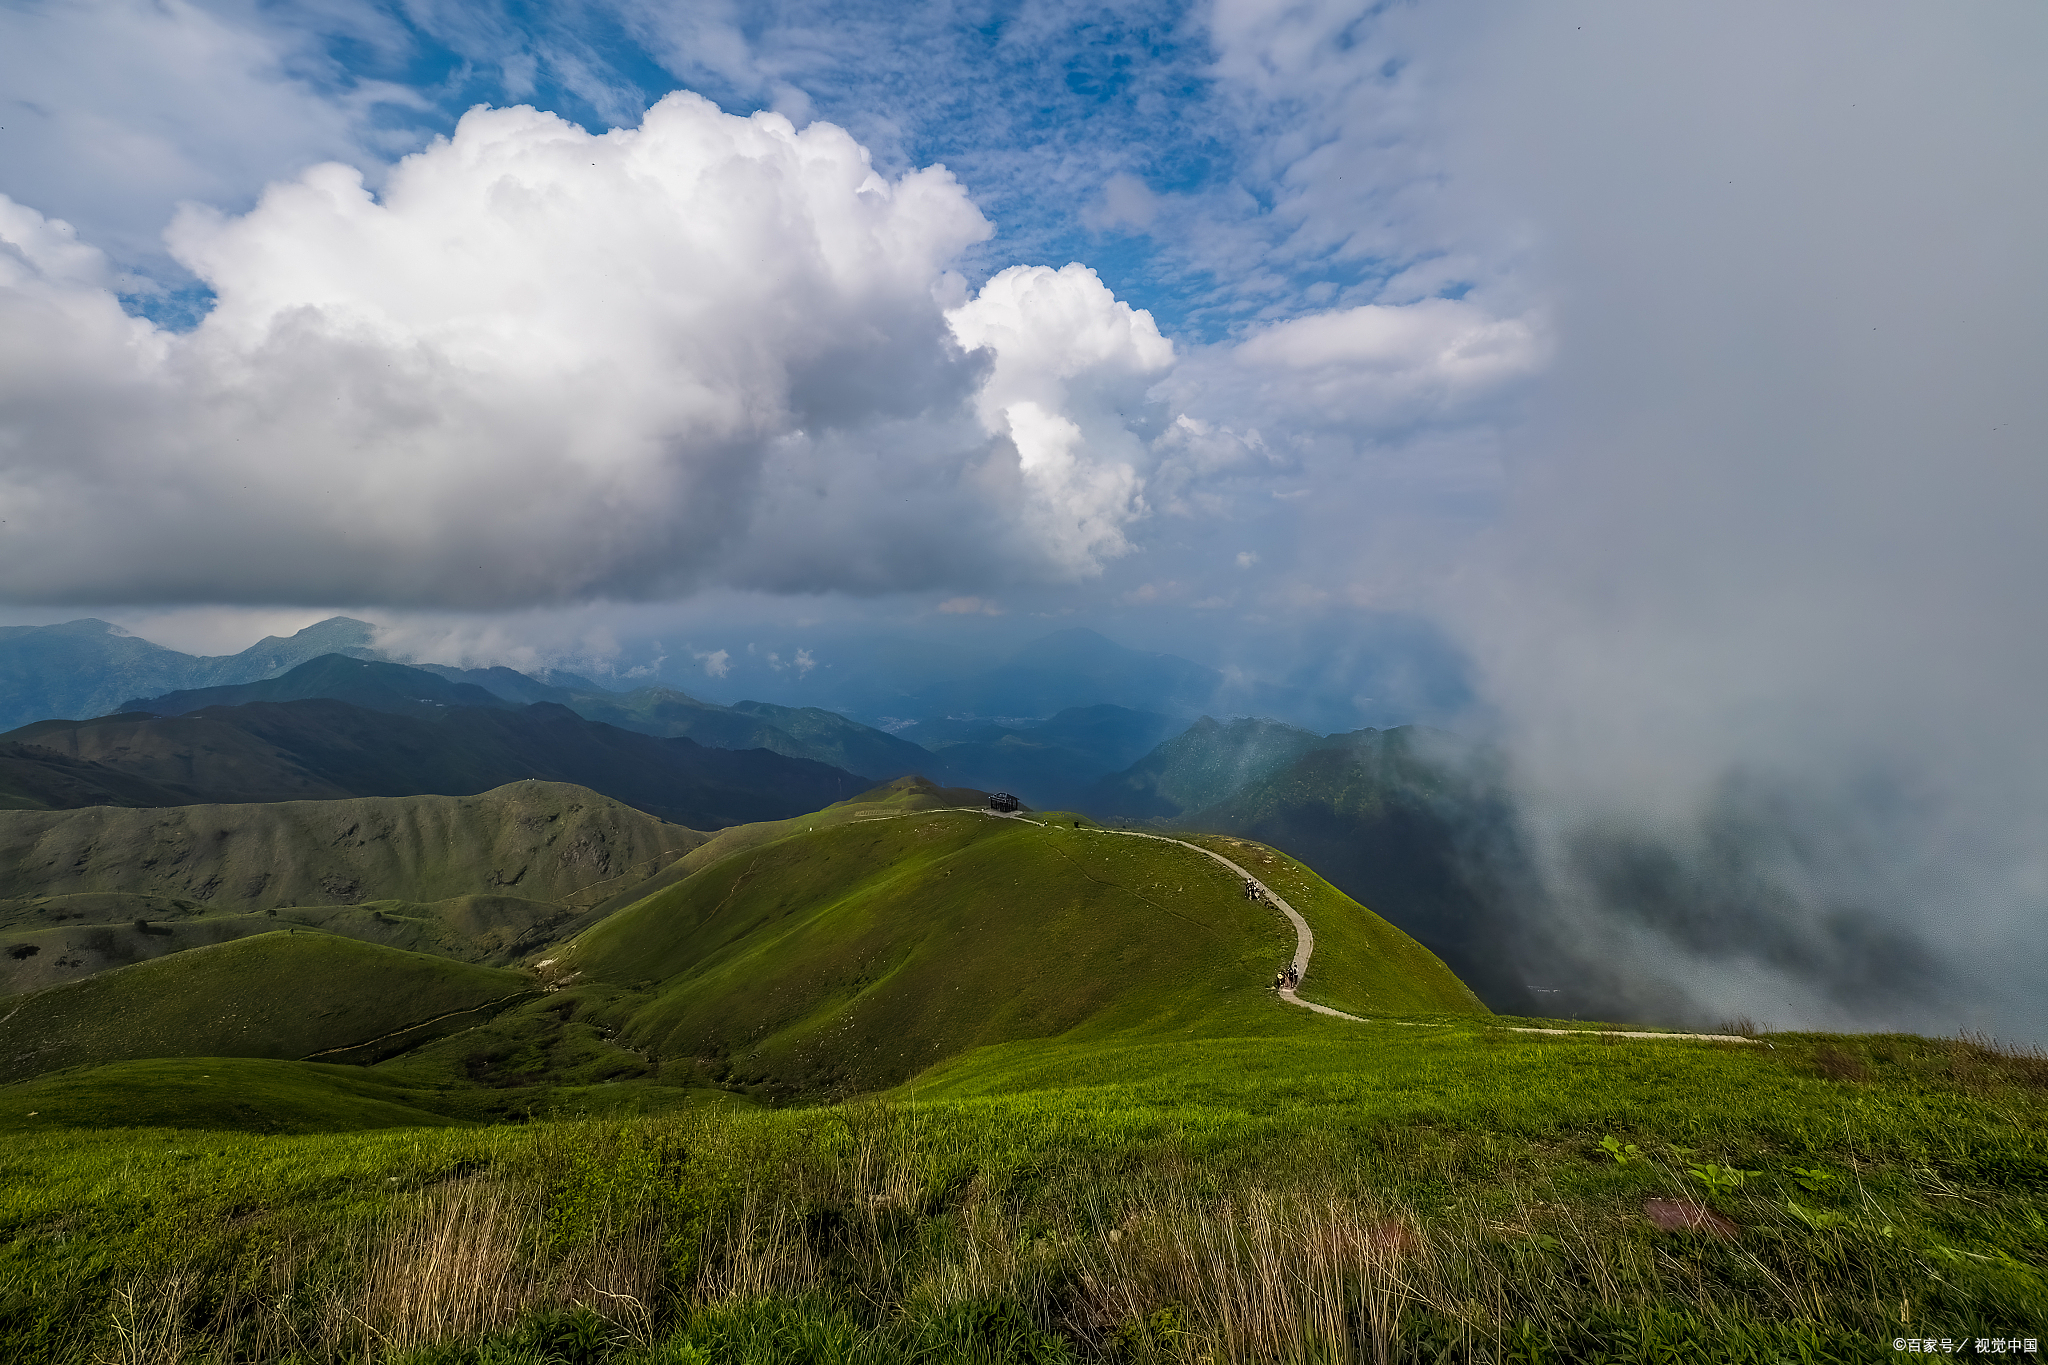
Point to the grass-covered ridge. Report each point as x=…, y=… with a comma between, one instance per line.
x=473, y=877
x=849, y=957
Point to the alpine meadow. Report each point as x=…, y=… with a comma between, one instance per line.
x=1135, y=683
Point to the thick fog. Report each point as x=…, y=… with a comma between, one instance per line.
x=1763, y=619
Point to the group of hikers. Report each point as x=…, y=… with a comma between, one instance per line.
x=1290, y=975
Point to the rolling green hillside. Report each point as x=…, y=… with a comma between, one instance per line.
x=1106, y=1140
x=549, y=840
x=835, y=953
x=902, y=796
x=281, y=995
x=852, y=956
x=480, y=878
x=102, y=932
x=245, y=1094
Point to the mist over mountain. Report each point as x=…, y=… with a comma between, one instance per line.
x=1053, y=763
x=1204, y=765
x=1435, y=832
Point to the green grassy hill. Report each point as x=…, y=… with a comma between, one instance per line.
x=119, y=931
x=242, y=1094
x=547, y=840
x=283, y=995
x=481, y=878
x=836, y=953
x=852, y=955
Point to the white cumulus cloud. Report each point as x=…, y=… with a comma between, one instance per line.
x=1068, y=388
x=545, y=366
x=1373, y=369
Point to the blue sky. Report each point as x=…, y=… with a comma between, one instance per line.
x=1045, y=112
x=1665, y=381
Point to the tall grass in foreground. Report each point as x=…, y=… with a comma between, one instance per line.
x=864, y=1235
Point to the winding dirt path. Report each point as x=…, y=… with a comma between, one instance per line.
x=1304, y=937
x=1305, y=945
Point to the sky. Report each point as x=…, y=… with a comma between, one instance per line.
x=1654, y=390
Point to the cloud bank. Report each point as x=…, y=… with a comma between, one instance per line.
x=1764, y=619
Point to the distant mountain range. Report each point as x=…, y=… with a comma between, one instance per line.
x=87, y=668
x=798, y=732
x=83, y=669
x=1059, y=714
x=399, y=689
x=374, y=685
x=323, y=749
